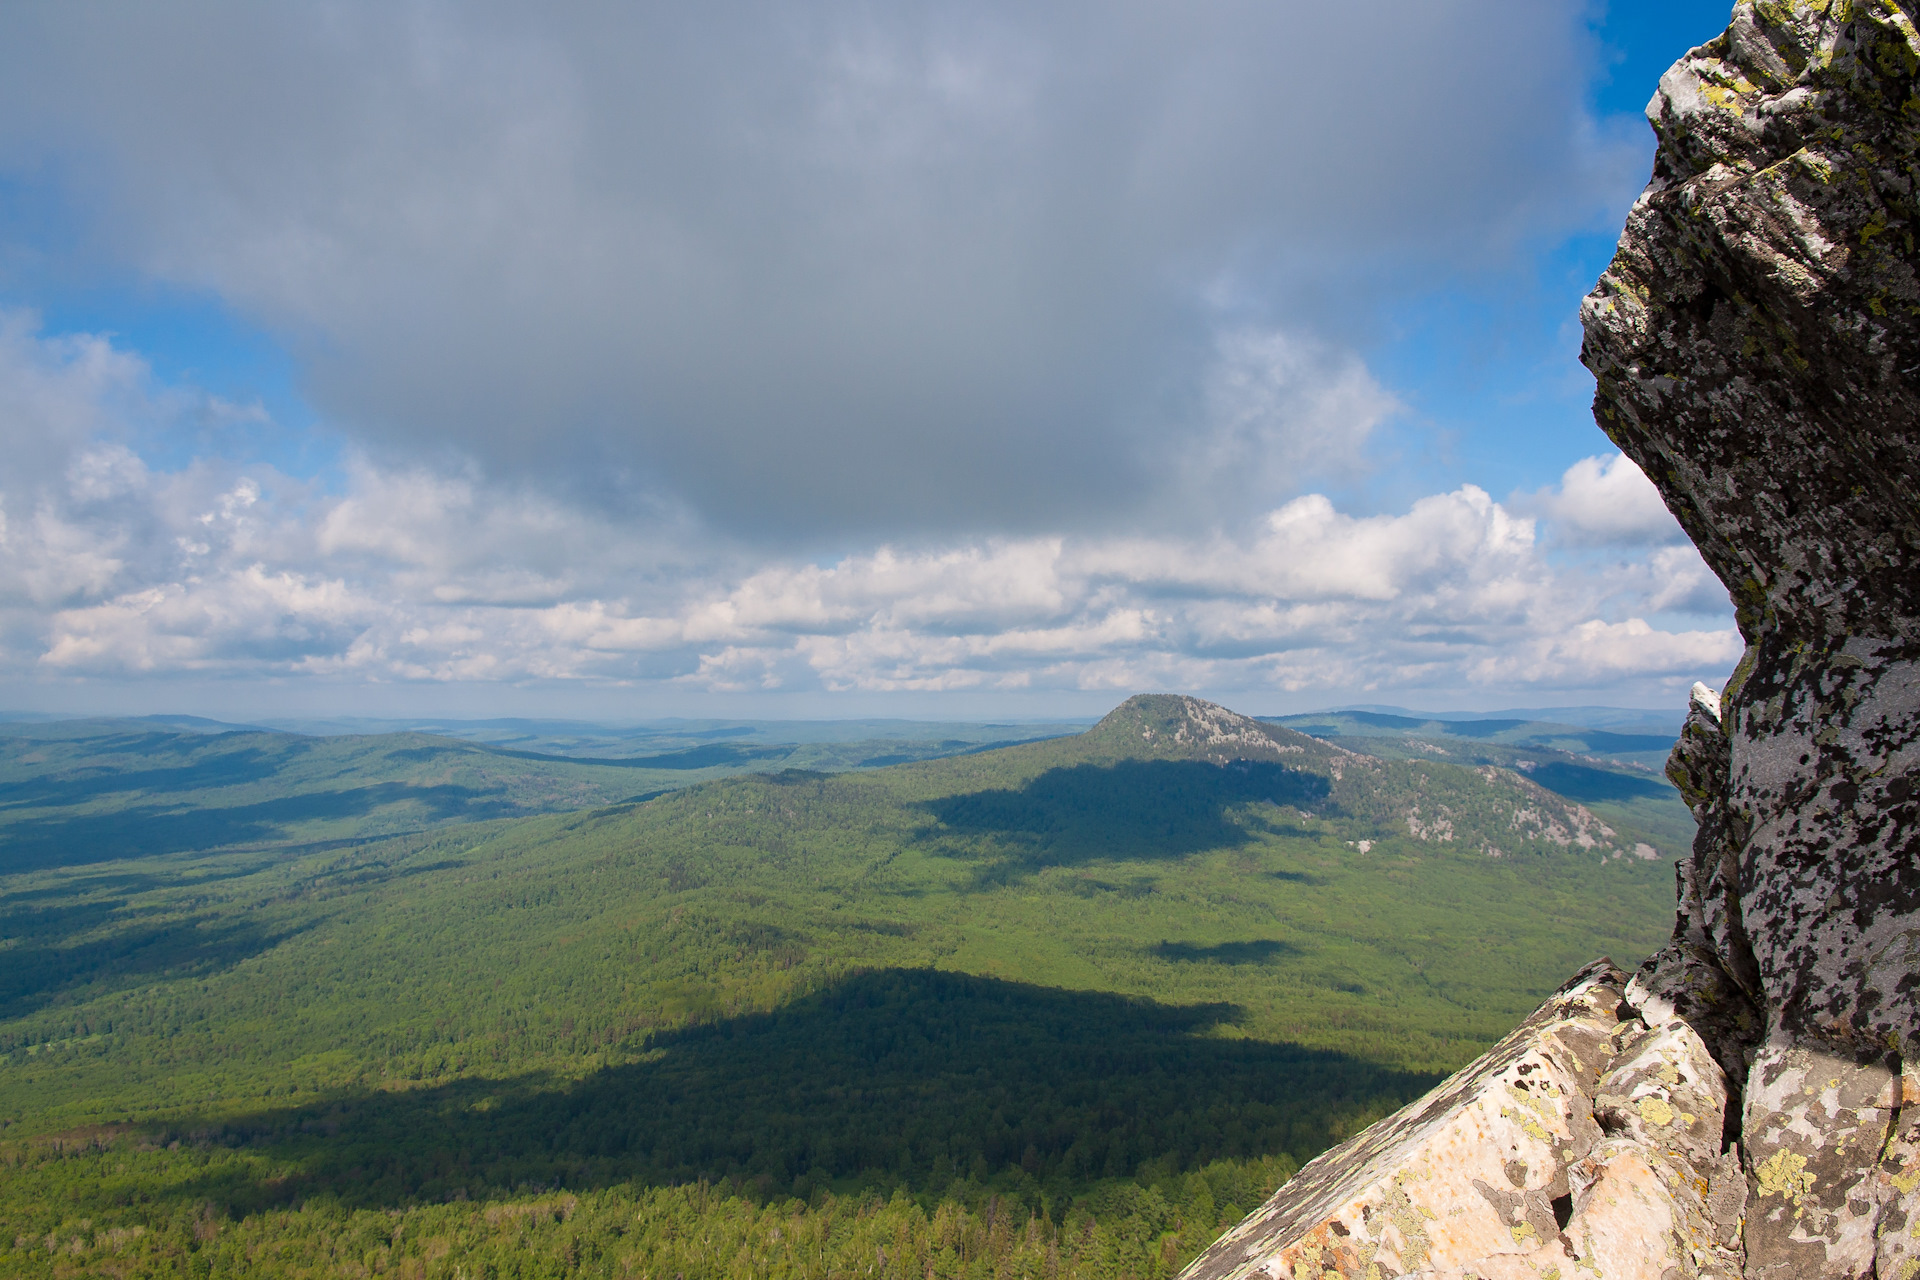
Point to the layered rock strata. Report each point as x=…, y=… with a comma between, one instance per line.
x=1748, y=1103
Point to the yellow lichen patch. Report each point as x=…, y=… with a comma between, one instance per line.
x=1656, y=1110
x=1533, y=1128
x=1907, y=1179
x=1412, y=1225
x=1524, y=1233
x=1785, y=1174
x=1721, y=96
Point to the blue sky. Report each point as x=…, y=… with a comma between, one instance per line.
x=938, y=359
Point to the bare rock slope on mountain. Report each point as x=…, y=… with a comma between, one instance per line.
x=1745, y=1104
x=1480, y=809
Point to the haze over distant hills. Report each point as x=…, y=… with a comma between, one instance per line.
x=1619, y=719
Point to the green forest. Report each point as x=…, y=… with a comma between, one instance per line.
x=1068, y=1008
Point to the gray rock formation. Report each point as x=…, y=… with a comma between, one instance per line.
x=1757, y=345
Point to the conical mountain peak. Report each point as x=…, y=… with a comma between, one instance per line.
x=1171, y=724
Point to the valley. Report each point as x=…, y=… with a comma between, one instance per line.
x=1088, y=998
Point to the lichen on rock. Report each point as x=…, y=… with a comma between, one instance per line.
x=1577, y=1144
x=1756, y=346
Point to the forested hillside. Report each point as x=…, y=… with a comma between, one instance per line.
x=1617, y=775
x=1062, y=1008
x=97, y=790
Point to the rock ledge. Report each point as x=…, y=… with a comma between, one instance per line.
x=1745, y=1104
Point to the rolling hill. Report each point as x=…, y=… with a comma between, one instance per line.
x=81, y=791
x=1096, y=994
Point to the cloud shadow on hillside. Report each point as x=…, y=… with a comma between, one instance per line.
x=1133, y=809
x=120, y=949
x=1587, y=784
x=212, y=763
x=66, y=840
x=897, y=1078
x=1258, y=951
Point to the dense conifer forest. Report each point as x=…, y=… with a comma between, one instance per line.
x=1061, y=1009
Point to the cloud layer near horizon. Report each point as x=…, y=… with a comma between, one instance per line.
x=113, y=568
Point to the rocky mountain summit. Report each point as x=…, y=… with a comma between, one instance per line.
x=1497, y=812
x=1745, y=1103
x=1186, y=728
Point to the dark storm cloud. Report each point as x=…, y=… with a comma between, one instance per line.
x=818, y=270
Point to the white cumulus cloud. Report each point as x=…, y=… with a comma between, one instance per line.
x=118, y=568
x=1604, y=501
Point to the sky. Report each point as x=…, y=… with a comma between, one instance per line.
x=750, y=359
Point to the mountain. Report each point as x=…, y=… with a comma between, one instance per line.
x=1376, y=796
x=1618, y=776
x=1115, y=985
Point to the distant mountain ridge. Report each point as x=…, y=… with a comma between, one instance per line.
x=1619, y=719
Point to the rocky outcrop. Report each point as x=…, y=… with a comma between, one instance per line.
x=1756, y=342
x=1175, y=726
x=1587, y=1140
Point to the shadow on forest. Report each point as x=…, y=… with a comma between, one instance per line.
x=222, y=762
x=1579, y=782
x=122, y=943
x=34, y=844
x=42, y=964
x=712, y=755
x=908, y=1077
x=67, y=888
x=1131, y=809
x=1259, y=951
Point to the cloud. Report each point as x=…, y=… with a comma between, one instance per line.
x=1278, y=412
x=116, y=568
x=1452, y=593
x=825, y=273
x=57, y=394
x=1607, y=501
